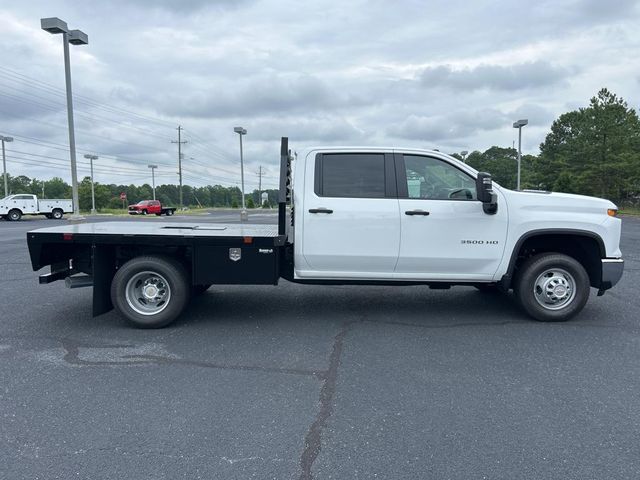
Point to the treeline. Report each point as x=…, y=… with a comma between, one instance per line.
x=594, y=150
x=590, y=151
x=108, y=196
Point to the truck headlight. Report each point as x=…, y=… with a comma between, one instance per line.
x=612, y=212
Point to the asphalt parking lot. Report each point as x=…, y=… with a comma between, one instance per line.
x=315, y=382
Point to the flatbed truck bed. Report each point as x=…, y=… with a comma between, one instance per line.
x=212, y=253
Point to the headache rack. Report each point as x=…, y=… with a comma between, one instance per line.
x=285, y=192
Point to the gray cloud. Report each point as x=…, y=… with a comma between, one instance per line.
x=328, y=129
x=459, y=124
x=495, y=77
x=259, y=95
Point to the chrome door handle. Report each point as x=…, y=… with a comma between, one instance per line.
x=320, y=210
x=416, y=212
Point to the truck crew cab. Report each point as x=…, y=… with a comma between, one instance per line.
x=150, y=207
x=358, y=216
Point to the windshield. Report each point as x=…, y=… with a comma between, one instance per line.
x=142, y=202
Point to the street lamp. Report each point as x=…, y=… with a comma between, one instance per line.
x=4, y=164
x=241, y=131
x=153, y=179
x=76, y=37
x=464, y=154
x=93, y=193
x=519, y=124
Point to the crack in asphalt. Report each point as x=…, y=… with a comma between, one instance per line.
x=72, y=356
x=313, y=439
x=158, y=359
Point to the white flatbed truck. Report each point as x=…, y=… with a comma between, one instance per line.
x=358, y=216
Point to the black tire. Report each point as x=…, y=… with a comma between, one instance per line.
x=57, y=214
x=138, y=271
x=548, y=276
x=144, y=212
x=197, y=290
x=14, y=215
x=169, y=213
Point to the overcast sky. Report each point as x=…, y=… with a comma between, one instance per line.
x=451, y=75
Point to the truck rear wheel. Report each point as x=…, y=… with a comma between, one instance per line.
x=150, y=292
x=14, y=215
x=552, y=287
x=56, y=214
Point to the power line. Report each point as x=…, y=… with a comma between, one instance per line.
x=85, y=132
x=57, y=107
x=55, y=90
x=122, y=169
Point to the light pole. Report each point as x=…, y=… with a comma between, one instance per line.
x=519, y=124
x=75, y=37
x=93, y=193
x=153, y=179
x=241, y=131
x=464, y=154
x=4, y=164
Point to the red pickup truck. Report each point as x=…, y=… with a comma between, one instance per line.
x=146, y=207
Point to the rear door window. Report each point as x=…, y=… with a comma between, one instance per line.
x=351, y=175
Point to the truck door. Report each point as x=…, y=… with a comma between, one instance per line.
x=351, y=220
x=445, y=233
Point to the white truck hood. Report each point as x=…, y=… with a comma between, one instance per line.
x=558, y=202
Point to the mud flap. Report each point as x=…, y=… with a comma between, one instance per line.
x=104, y=267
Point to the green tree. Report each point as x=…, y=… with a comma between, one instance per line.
x=501, y=163
x=597, y=146
x=57, y=188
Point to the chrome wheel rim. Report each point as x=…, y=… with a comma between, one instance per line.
x=554, y=289
x=148, y=293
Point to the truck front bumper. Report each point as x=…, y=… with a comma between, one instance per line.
x=611, y=273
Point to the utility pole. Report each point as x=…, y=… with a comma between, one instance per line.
x=43, y=189
x=180, y=142
x=260, y=175
x=153, y=179
x=93, y=192
x=4, y=163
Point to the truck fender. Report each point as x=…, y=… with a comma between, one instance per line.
x=507, y=278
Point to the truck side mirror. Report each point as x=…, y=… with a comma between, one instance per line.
x=485, y=193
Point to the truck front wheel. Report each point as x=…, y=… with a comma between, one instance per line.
x=14, y=215
x=552, y=287
x=150, y=292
